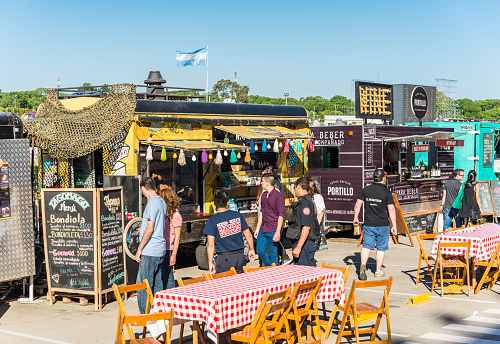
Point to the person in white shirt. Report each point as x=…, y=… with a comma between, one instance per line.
x=319, y=204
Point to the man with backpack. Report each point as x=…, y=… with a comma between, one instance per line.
x=303, y=226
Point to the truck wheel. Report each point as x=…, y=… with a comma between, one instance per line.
x=202, y=257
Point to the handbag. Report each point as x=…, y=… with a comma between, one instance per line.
x=457, y=203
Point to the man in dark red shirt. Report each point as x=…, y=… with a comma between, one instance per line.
x=268, y=231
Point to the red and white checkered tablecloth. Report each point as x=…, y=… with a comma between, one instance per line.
x=484, y=240
x=230, y=302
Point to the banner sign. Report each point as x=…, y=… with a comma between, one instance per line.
x=449, y=143
x=421, y=148
x=5, y=211
x=374, y=101
x=419, y=102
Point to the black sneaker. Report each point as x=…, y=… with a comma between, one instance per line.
x=362, y=273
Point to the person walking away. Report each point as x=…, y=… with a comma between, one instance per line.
x=303, y=228
x=471, y=201
x=224, y=237
x=450, y=191
x=172, y=233
x=270, y=221
x=379, y=206
x=152, y=246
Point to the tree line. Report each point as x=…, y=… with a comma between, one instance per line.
x=317, y=107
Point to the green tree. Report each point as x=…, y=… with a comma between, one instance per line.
x=469, y=108
x=87, y=87
x=225, y=88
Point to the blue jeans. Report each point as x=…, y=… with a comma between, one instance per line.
x=449, y=217
x=168, y=272
x=149, y=269
x=265, y=241
x=306, y=256
x=378, y=236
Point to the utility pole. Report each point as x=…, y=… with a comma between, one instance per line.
x=286, y=96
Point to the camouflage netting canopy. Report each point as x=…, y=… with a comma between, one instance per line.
x=68, y=133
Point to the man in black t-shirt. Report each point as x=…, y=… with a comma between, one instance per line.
x=379, y=206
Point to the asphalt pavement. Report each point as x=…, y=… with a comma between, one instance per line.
x=454, y=318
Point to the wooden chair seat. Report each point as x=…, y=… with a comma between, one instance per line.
x=453, y=263
x=456, y=265
x=246, y=334
x=127, y=320
x=367, y=308
x=489, y=276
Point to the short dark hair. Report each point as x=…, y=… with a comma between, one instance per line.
x=148, y=183
x=457, y=172
x=270, y=178
x=221, y=197
x=303, y=182
x=378, y=174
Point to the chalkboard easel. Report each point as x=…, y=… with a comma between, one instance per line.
x=83, y=235
x=414, y=223
x=486, y=198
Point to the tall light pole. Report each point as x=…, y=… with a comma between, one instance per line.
x=286, y=96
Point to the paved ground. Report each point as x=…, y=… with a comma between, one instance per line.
x=451, y=319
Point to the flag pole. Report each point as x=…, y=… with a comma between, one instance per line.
x=206, y=92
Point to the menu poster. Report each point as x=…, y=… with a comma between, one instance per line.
x=486, y=197
x=69, y=235
x=495, y=189
x=5, y=211
x=421, y=222
x=487, y=150
x=112, y=260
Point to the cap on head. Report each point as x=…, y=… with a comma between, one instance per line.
x=378, y=174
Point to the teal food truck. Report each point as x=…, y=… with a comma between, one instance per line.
x=480, y=147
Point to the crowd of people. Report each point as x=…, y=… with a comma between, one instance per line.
x=161, y=226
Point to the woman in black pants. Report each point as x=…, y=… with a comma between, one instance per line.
x=471, y=200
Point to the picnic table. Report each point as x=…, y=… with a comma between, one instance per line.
x=483, y=238
x=229, y=302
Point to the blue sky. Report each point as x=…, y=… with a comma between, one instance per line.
x=305, y=48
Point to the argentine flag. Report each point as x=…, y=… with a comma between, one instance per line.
x=196, y=58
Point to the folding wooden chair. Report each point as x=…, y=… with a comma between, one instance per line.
x=196, y=325
x=231, y=272
x=345, y=274
x=455, y=264
x=306, y=312
x=132, y=320
x=489, y=276
x=358, y=310
x=245, y=269
x=422, y=256
x=258, y=332
x=121, y=307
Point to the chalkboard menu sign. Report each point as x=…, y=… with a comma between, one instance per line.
x=486, y=197
x=111, y=255
x=69, y=233
x=495, y=190
x=421, y=222
x=487, y=149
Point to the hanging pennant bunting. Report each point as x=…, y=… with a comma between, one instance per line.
x=149, y=153
x=287, y=146
x=163, y=154
x=293, y=158
x=264, y=146
x=311, y=145
x=233, y=158
x=275, y=147
x=182, y=158
x=204, y=157
x=247, y=156
x=252, y=147
x=299, y=146
x=218, y=158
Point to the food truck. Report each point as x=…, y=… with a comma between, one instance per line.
x=192, y=146
x=480, y=149
x=345, y=157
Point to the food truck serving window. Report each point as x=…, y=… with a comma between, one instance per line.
x=324, y=157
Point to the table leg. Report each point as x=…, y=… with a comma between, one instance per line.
x=197, y=333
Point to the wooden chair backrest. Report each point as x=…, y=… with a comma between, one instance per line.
x=345, y=270
x=182, y=282
x=121, y=306
x=127, y=320
x=465, y=245
x=305, y=287
x=423, y=255
x=281, y=311
x=231, y=272
x=351, y=301
x=245, y=269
